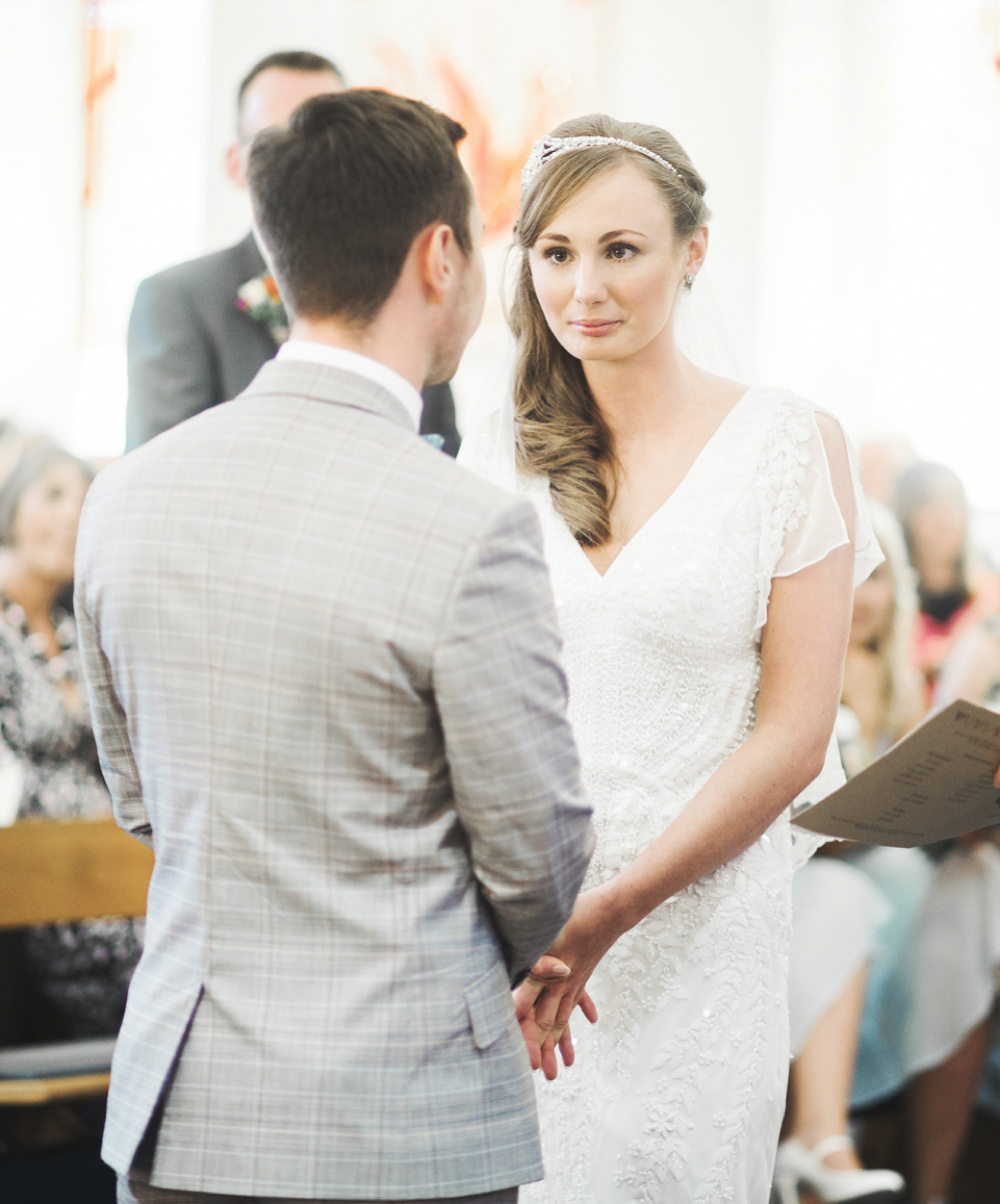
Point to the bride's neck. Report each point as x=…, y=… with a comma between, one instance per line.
x=637, y=394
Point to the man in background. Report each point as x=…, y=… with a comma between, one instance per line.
x=200, y=331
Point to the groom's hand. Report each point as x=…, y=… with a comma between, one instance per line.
x=548, y=971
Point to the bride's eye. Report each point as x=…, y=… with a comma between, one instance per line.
x=622, y=250
x=556, y=254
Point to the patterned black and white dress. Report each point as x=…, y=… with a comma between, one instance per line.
x=81, y=970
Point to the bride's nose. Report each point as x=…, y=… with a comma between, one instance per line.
x=589, y=285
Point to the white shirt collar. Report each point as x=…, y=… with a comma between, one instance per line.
x=360, y=365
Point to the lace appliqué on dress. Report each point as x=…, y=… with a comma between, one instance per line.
x=787, y=464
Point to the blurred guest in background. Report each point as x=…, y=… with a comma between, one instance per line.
x=193, y=341
x=932, y=982
x=954, y=587
x=837, y=910
x=972, y=668
x=881, y=458
x=80, y=971
x=881, y=688
x=12, y=445
x=200, y=331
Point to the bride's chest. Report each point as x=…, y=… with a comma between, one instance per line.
x=689, y=575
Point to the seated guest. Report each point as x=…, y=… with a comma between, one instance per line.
x=837, y=910
x=957, y=954
x=12, y=445
x=932, y=983
x=80, y=971
x=972, y=669
x=953, y=587
x=881, y=460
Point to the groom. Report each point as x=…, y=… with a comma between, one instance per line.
x=323, y=667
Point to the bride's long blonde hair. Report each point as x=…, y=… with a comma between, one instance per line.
x=560, y=431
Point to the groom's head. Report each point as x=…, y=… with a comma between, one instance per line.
x=349, y=190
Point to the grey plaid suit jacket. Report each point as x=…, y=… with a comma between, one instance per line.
x=323, y=667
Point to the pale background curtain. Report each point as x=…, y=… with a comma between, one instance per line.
x=852, y=149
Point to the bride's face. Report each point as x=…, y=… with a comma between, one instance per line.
x=607, y=268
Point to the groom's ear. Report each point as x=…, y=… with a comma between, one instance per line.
x=435, y=248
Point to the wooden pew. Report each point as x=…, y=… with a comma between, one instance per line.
x=55, y=872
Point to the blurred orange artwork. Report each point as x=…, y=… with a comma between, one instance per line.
x=495, y=169
x=102, y=46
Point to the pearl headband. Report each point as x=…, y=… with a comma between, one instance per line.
x=550, y=147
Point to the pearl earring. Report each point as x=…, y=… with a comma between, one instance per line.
x=688, y=280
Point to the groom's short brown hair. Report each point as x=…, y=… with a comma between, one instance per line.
x=340, y=193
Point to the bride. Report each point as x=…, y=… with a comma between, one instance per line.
x=701, y=537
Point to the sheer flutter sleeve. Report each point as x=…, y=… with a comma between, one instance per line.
x=803, y=519
x=803, y=523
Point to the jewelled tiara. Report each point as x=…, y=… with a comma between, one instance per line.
x=550, y=147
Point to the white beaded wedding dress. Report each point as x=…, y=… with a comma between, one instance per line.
x=677, y=1092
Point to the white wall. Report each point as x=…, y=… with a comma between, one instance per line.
x=880, y=262
x=73, y=264
x=40, y=215
x=852, y=149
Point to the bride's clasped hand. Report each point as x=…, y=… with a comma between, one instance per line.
x=545, y=1000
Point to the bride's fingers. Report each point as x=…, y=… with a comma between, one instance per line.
x=588, y=1007
x=525, y=996
x=551, y=1016
x=563, y=1013
x=546, y=1010
x=570, y=1000
x=548, y=1061
x=566, y=1050
x=530, y=1035
x=548, y=969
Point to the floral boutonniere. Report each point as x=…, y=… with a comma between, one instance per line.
x=260, y=300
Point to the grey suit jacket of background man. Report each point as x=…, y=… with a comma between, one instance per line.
x=323, y=667
x=189, y=347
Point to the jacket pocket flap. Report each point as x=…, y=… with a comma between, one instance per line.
x=491, y=1009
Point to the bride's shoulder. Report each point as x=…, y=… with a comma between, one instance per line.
x=779, y=399
x=782, y=411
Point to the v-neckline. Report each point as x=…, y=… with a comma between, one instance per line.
x=702, y=452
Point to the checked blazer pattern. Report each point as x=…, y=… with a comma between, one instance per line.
x=324, y=671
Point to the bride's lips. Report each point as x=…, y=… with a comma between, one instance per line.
x=594, y=327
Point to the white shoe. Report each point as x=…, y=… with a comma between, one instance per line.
x=798, y=1165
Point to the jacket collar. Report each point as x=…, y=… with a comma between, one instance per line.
x=324, y=383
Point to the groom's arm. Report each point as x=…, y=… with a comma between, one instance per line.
x=94, y=546
x=501, y=697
